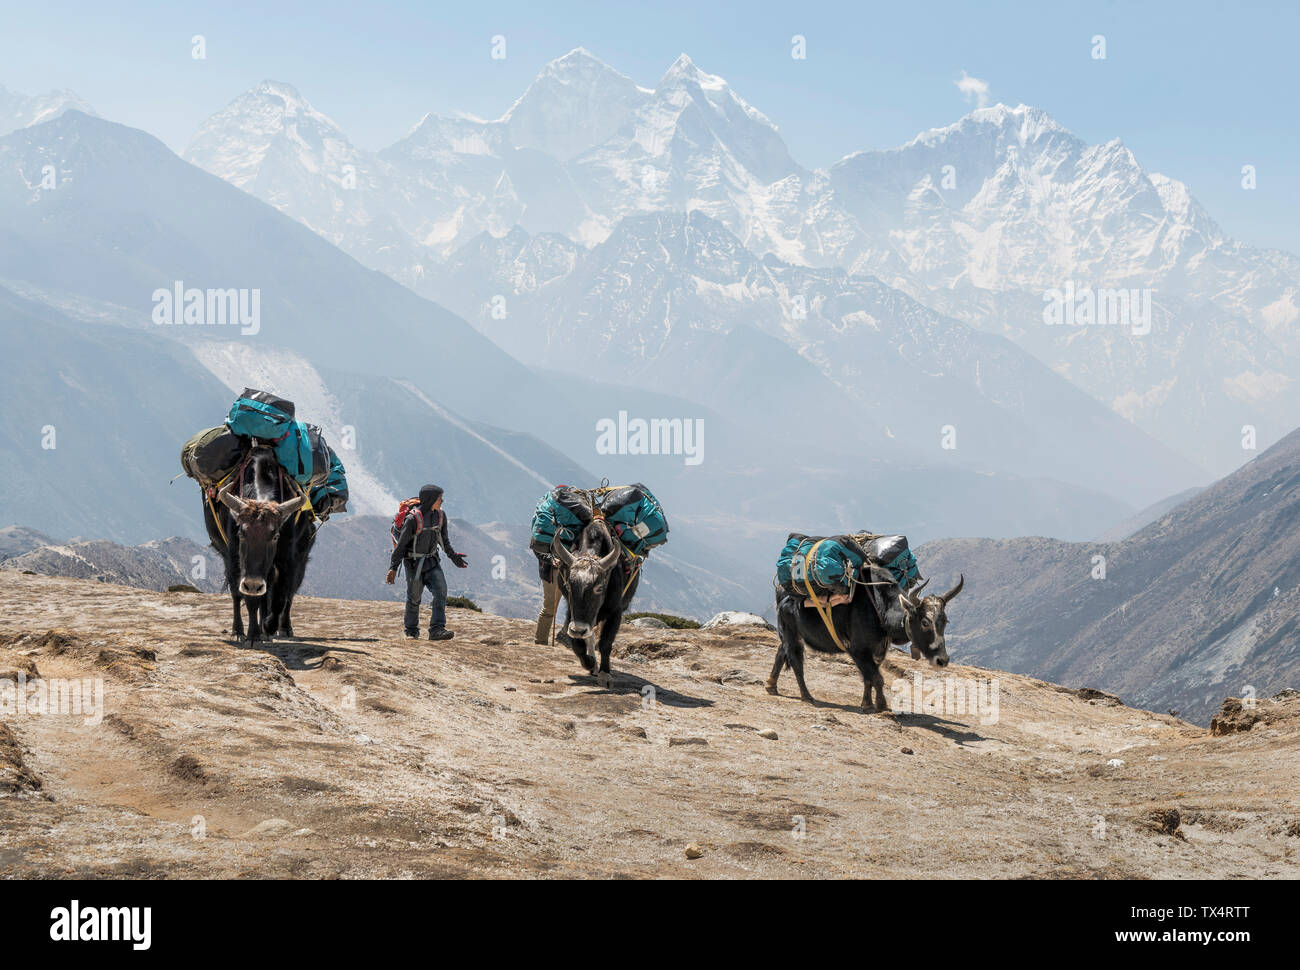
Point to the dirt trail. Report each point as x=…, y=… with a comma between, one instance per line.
x=354, y=753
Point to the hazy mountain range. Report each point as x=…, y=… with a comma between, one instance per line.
x=978, y=221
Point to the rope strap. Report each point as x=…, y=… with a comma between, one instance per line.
x=823, y=612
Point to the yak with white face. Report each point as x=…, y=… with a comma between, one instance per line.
x=879, y=614
x=263, y=543
x=598, y=586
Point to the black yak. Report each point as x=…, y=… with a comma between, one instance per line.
x=263, y=542
x=598, y=585
x=879, y=614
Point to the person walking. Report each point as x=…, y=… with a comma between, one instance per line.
x=546, y=571
x=423, y=531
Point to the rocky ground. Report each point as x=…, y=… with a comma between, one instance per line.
x=353, y=752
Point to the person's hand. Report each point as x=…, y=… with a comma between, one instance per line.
x=391, y=577
x=460, y=561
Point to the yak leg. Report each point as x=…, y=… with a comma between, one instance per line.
x=296, y=576
x=777, y=666
x=274, y=605
x=869, y=668
x=286, y=624
x=237, y=624
x=587, y=660
x=580, y=650
x=792, y=647
x=608, y=631
x=256, y=608
x=795, y=660
x=882, y=704
x=878, y=658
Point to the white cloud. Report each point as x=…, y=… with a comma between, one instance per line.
x=972, y=88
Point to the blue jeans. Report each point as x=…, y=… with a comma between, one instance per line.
x=422, y=575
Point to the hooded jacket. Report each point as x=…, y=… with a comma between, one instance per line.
x=423, y=544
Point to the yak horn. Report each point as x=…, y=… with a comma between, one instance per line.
x=910, y=598
x=916, y=591
x=955, y=590
x=230, y=499
x=285, y=509
x=559, y=552
x=607, y=562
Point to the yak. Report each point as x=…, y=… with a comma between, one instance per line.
x=263, y=543
x=598, y=585
x=879, y=614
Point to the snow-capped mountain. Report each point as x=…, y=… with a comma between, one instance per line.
x=1007, y=199
x=583, y=147
x=274, y=145
x=981, y=220
x=20, y=110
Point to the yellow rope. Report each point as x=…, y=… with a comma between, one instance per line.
x=216, y=517
x=825, y=614
x=632, y=578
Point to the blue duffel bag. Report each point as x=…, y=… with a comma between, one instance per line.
x=832, y=566
x=331, y=496
x=636, y=517
x=894, y=554
x=262, y=415
x=564, y=511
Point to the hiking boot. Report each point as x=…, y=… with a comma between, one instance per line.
x=440, y=634
x=413, y=636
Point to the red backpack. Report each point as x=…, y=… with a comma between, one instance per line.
x=411, y=506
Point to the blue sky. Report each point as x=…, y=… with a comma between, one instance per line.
x=1195, y=89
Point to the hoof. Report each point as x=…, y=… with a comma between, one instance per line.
x=771, y=689
x=808, y=697
x=604, y=679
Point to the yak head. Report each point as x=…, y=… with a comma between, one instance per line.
x=586, y=577
x=258, y=524
x=924, y=619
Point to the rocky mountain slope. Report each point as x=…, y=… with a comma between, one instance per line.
x=352, y=753
x=349, y=561
x=153, y=565
x=1201, y=603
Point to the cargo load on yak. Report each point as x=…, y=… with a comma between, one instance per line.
x=563, y=511
x=633, y=514
x=331, y=495
x=827, y=564
x=300, y=452
x=892, y=552
x=636, y=517
x=212, y=455
x=830, y=563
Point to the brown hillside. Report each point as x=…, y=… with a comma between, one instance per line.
x=356, y=753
